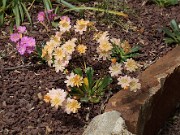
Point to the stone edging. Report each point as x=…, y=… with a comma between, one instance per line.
x=145, y=112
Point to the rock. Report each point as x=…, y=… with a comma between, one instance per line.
x=109, y=123
x=146, y=111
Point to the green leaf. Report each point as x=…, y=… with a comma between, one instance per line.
x=99, y=10
x=104, y=83
x=21, y=12
x=39, y=51
x=95, y=99
x=11, y=26
x=1, y=19
x=67, y=4
x=47, y=5
x=135, y=49
x=78, y=71
x=50, y=4
x=56, y=10
x=174, y=25
x=84, y=99
x=55, y=24
x=17, y=16
x=76, y=91
x=168, y=32
x=169, y=40
x=27, y=13
x=2, y=13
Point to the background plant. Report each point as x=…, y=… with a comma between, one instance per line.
x=172, y=35
x=16, y=9
x=165, y=3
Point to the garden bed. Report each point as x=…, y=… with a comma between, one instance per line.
x=23, y=110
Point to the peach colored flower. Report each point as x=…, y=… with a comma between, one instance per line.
x=72, y=106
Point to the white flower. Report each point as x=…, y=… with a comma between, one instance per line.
x=64, y=24
x=81, y=26
x=69, y=46
x=134, y=85
x=115, y=69
x=69, y=81
x=103, y=37
x=72, y=105
x=105, y=46
x=74, y=80
x=103, y=54
x=116, y=41
x=59, y=53
x=49, y=47
x=57, y=97
x=60, y=65
x=131, y=65
x=81, y=49
x=124, y=81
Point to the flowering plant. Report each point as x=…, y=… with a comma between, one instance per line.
x=85, y=87
x=58, y=98
x=120, y=71
x=114, y=48
x=24, y=44
x=124, y=51
x=59, y=50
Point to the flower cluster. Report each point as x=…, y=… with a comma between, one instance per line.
x=113, y=48
x=58, y=98
x=104, y=48
x=24, y=44
x=108, y=46
x=126, y=82
x=58, y=52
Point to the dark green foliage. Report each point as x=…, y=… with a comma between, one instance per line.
x=172, y=35
x=122, y=54
x=91, y=90
x=15, y=8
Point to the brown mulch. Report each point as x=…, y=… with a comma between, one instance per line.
x=22, y=111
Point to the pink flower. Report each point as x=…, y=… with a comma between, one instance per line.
x=51, y=15
x=26, y=45
x=21, y=29
x=15, y=37
x=21, y=48
x=41, y=16
x=66, y=18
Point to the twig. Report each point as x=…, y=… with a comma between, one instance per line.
x=31, y=5
x=102, y=107
x=18, y=67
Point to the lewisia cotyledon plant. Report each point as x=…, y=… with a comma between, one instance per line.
x=24, y=44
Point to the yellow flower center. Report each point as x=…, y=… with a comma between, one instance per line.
x=77, y=81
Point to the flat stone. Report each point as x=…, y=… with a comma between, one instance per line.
x=109, y=123
x=145, y=111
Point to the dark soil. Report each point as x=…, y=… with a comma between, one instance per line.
x=22, y=110
x=172, y=126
